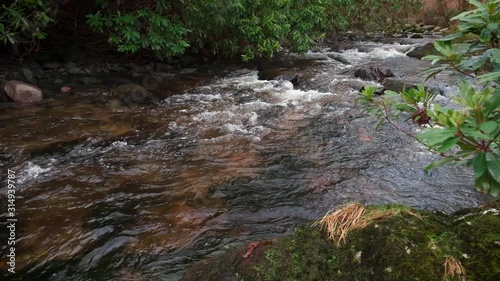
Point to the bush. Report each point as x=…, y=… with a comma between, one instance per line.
x=228, y=27
x=23, y=22
x=470, y=135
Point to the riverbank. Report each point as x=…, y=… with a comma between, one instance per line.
x=374, y=243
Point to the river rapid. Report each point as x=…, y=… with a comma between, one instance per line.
x=107, y=192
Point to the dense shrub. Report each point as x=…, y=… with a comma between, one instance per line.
x=223, y=27
x=228, y=27
x=23, y=22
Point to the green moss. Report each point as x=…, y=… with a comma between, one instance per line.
x=400, y=248
x=480, y=252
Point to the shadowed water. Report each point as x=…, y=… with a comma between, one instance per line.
x=139, y=193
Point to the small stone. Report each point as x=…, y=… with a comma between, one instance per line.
x=416, y=36
x=28, y=74
x=23, y=92
x=72, y=68
x=162, y=67
x=51, y=65
x=66, y=89
x=90, y=80
x=116, y=68
x=58, y=81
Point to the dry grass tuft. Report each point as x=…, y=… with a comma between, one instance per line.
x=341, y=221
x=453, y=268
x=354, y=216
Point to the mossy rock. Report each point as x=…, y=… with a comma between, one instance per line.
x=409, y=246
x=422, y=51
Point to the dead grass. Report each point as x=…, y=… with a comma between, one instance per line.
x=453, y=269
x=353, y=216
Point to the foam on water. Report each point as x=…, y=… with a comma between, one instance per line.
x=241, y=118
x=32, y=171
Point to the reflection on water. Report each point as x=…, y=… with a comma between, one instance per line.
x=139, y=193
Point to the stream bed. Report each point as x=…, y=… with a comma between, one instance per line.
x=141, y=192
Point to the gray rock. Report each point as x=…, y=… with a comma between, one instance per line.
x=162, y=67
x=339, y=59
x=373, y=73
x=188, y=70
x=90, y=80
x=399, y=35
x=417, y=36
x=281, y=75
x=58, y=81
x=131, y=94
x=429, y=27
x=15, y=75
x=71, y=68
x=116, y=68
x=51, y=65
x=398, y=85
x=23, y=92
x=422, y=51
x=28, y=74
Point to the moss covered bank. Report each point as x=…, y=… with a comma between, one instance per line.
x=403, y=245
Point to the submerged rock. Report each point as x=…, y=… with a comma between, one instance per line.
x=131, y=94
x=395, y=244
x=23, y=92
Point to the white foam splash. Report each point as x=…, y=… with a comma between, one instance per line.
x=32, y=171
x=119, y=144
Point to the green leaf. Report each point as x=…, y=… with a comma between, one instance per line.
x=474, y=63
x=485, y=35
x=488, y=127
x=444, y=47
x=478, y=135
x=495, y=54
x=492, y=76
x=493, y=166
x=404, y=107
x=379, y=124
x=479, y=164
x=452, y=36
x=435, y=136
x=441, y=162
x=448, y=144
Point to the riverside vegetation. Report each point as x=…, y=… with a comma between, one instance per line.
x=469, y=135
x=249, y=29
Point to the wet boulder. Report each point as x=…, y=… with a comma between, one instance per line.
x=131, y=94
x=292, y=77
x=281, y=75
x=422, y=51
x=398, y=85
x=373, y=73
x=390, y=242
x=23, y=92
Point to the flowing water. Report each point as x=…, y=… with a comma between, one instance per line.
x=107, y=192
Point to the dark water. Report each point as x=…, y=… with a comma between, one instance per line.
x=106, y=192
